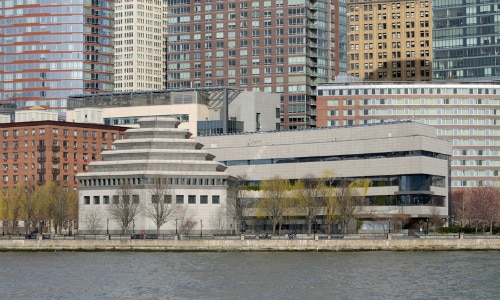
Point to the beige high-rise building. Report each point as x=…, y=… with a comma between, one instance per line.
x=390, y=40
x=139, y=45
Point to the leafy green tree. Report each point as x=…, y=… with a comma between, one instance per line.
x=309, y=198
x=329, y=199
x=60, y=205
x=276, y=201
x=29, y=205
x=350, y=195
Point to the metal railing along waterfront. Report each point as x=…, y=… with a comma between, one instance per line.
x=250, y=236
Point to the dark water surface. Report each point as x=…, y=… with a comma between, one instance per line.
x=263, y=275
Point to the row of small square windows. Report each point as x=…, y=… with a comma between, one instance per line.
x=179, y=199
x=139, y=181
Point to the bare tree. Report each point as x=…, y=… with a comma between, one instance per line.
x=349, y=196
x=186, y=219
x=275, y=201
x=161, y=209
x=237, y=205
x=93, y=220
x=457, y=204
x=125, y=207
x=434, y=217
x=219, y=219
x=308, y=195
x=482, y=206
x=188, y=225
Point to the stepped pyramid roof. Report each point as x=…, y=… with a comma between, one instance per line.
x=157, y=149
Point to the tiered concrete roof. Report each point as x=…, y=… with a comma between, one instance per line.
x=157, y=148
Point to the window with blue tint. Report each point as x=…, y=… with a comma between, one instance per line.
x=417, y=182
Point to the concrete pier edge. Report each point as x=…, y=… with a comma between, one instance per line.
x=221, y=245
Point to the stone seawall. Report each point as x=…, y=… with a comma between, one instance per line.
x=254, y=245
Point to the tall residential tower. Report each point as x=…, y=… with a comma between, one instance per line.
x=286, y=47
x=390, y=40
x=139, y=45
x=50, y=49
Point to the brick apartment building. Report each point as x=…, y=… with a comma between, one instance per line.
x=44, y=151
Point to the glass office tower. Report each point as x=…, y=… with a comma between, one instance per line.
x=466, y=40
x=50, y=49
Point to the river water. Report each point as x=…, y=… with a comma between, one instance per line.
x=248, y=275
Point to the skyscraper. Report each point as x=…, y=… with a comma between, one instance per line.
x=50, y=49
x=139, y=45
x=466, y=43
x=390, y=40
x=286, y=47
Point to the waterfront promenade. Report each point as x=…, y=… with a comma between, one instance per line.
x=242, y=243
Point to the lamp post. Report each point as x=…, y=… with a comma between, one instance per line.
x=133, y=226
x=70, y=225
x=107, y=226
x=389, y=225
x=176, y=227
x=427, y=230
x=41, y=226
x=233, y=232
x=243, y=226
x=201, y=228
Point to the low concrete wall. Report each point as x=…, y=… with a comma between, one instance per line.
x=254, y=245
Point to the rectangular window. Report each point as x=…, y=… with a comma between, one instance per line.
x=203, y=199
x=192, y=199
x=86, y=200
x=179, y=199
x=96, y=200
x=135, y=199
x=116, y=199
x=215, y=199
x=105, y=199
x=167, y=199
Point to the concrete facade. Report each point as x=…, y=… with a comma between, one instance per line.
x=395, y=156
x=256, y=110
x=467, y=114
x=157, y=160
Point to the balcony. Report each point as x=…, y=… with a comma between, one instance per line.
x=40, y=171
x=41, y=148
x=56, y=148
x=40, y=159
x=40, y=182
x=56, y=160
x=55, y=171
